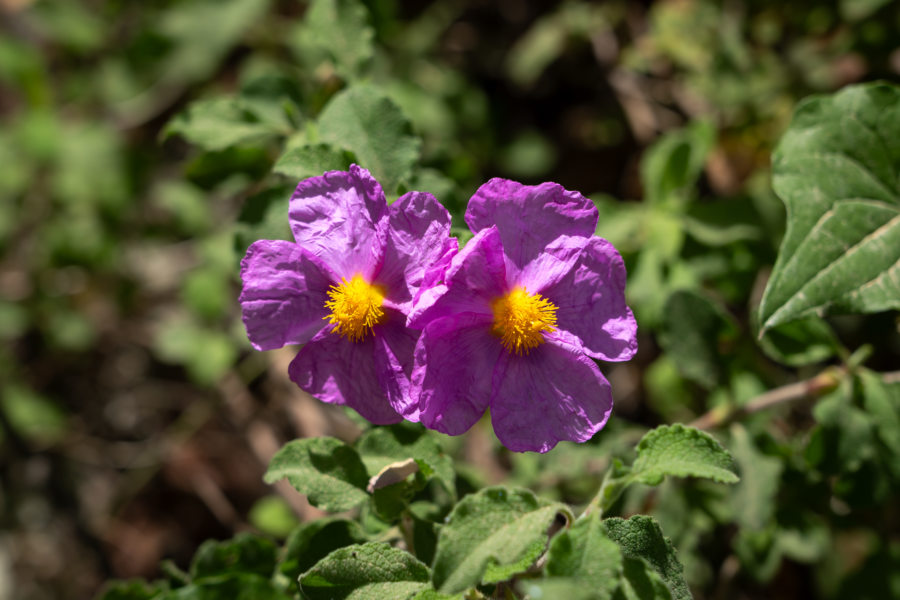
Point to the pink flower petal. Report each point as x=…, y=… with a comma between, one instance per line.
x=284, y=294
x=552, y=394
x=334, y=216
x=591, y=301
x=394, y=347
x=339, y=371
x=530, y=217
x=475, y=277
x=417, y=234
x=455, y=358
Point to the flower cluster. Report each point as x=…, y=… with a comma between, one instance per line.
x=398, y=323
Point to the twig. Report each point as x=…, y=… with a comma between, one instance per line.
x=824, y=381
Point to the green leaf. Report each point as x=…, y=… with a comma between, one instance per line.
x=340, y=29
x=585, y=556
x=492, y=535
x=846, y=431
x=370, y=571
x=313, y=541
x=219, y=123
x=366, y=122
x=640, y=537
x=882, y=402
x=683, y=452
x=693, y=329
x=801, y=342
x=381, y=446
x=674, y=162
x=130, y=590
x=328, y=471
x=312, y=160
x=640, y=582
x=836, y=171
x=31, y=415
x=203, y=33
x=240, y=587
x=753, y=498
x=264, y=217
x=246, y=553
x=273, y=515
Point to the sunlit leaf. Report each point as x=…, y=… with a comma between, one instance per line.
x=370, y=571
x=836, y=170
x=328, y=471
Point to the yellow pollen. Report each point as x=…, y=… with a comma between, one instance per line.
x=521, y=318
x=355, y=307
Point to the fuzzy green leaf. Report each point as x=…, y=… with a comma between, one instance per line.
x=641, y=538
x=491, y=536
x=328, y=471
x=382, y=446
x=366, y=122
x=683, y=452
x=640, y=582
x=582, y=558
x=370, y=571
x=313, y=541
x=836, y=171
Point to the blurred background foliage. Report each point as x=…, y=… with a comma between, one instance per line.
x=145, y=145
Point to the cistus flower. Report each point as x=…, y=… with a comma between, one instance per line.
x=518, y=317
x=344, y=288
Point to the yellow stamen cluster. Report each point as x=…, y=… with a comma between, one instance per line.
x=521, y=318
x=355, y=307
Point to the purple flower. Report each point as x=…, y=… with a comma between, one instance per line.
x=517, y=318
x=345, y=288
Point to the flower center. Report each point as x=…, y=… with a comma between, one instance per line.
x=355, y=307
x=521, y=318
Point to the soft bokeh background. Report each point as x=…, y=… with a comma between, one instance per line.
x=137, y=144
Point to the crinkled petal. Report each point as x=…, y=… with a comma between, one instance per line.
x=334, y=216
x=437, y=271
x=591, y=304
x=476, y=276
x=530, y=217
x=284, y=294
x=552, y=394
x=451, y=380
x=339, y=371
x=394, y=347
x=549, y=267
x=418, y=234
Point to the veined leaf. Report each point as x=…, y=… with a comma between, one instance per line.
x=641, y=538
x=683, y=452
x=370, y=571
x=328, y=471
x=836, y=171
x=491, y=536
x=366, y=122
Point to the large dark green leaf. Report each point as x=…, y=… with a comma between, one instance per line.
x=836, y=168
